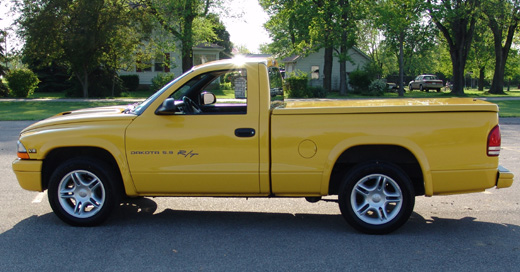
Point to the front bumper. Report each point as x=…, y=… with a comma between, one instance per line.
x=28, y=173
x=504, y=178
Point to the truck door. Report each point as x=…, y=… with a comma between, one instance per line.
x=203, y=147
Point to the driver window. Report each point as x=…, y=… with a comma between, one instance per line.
x=228, y=86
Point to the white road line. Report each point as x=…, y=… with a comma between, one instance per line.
x=39, y=197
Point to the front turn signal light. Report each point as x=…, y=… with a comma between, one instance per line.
x=21, y=151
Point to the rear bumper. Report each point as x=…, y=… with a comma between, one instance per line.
x=28, y=173
x=433, y=86
x=504, y=178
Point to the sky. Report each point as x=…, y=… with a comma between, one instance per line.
x=247, y=30
x=243, y=19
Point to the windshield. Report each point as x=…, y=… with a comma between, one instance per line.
x=140, y=108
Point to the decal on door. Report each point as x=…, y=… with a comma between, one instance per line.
x=183, y=153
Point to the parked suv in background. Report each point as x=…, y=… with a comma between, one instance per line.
x=425, y=83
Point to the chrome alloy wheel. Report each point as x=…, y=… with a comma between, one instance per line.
x=376, y=199
x=81, y=194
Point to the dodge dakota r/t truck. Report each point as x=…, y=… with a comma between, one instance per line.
x=218, y=131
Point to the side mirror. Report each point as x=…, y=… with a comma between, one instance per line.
x=168, y=107
x=207, y=98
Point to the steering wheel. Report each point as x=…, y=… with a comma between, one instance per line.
x=190, y=107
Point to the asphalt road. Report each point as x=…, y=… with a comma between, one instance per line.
x=473, y=232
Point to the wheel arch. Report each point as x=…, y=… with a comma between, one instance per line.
x=395, y=154
x=59, y=155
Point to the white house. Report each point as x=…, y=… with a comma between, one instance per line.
x=202, y=53
x=314, y=62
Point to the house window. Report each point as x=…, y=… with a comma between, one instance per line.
x=147, y=65
x=159, y=63
x=315, y=72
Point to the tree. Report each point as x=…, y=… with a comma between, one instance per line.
x=82, y=35
x=3, y=69
x=288, y=26
x=179, y=19
x=396, y=18
x=502, y=18
x=222, y=36
x=456, y=20
x=481, y=54
x=302, y=27
x=512, y=68
x=3, y=57
x=348, y=18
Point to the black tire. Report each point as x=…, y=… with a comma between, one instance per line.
x=83, y=192
x=410, y=87
x=421, y=88
x=376, y=197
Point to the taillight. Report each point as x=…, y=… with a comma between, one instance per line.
x=494, y=142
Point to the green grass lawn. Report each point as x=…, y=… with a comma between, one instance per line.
x=37, y=110
x=508, y=108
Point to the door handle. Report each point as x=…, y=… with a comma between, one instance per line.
x=245, y=132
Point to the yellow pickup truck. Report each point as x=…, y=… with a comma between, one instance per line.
x=218, y=130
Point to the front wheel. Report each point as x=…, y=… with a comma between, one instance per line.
x=376, y=197
x=82, y=193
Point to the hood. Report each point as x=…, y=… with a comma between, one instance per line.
x=100, y=114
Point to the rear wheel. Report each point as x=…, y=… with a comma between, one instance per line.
x=376, y=197
x=81, y=192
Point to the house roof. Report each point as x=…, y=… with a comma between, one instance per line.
x=210, y=46
x=291, y=58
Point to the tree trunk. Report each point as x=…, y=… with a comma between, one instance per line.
x=83, y=80
x=187, y=37
x=459, y=40
x=458, y=73
x=501, y=53
x=497, y=86
x=327, y=68
x=401, y=64
x=114, y=84
x=187, y=59
x=481, y=78
x=343, y=76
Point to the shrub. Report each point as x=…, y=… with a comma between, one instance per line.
x=53, y=78
x=318, y=92
x=376, y=88
x=22, y=82
x=296, y=86
x=130, y=82
x=4, y=91
x=161, y=79
x=359, y=79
